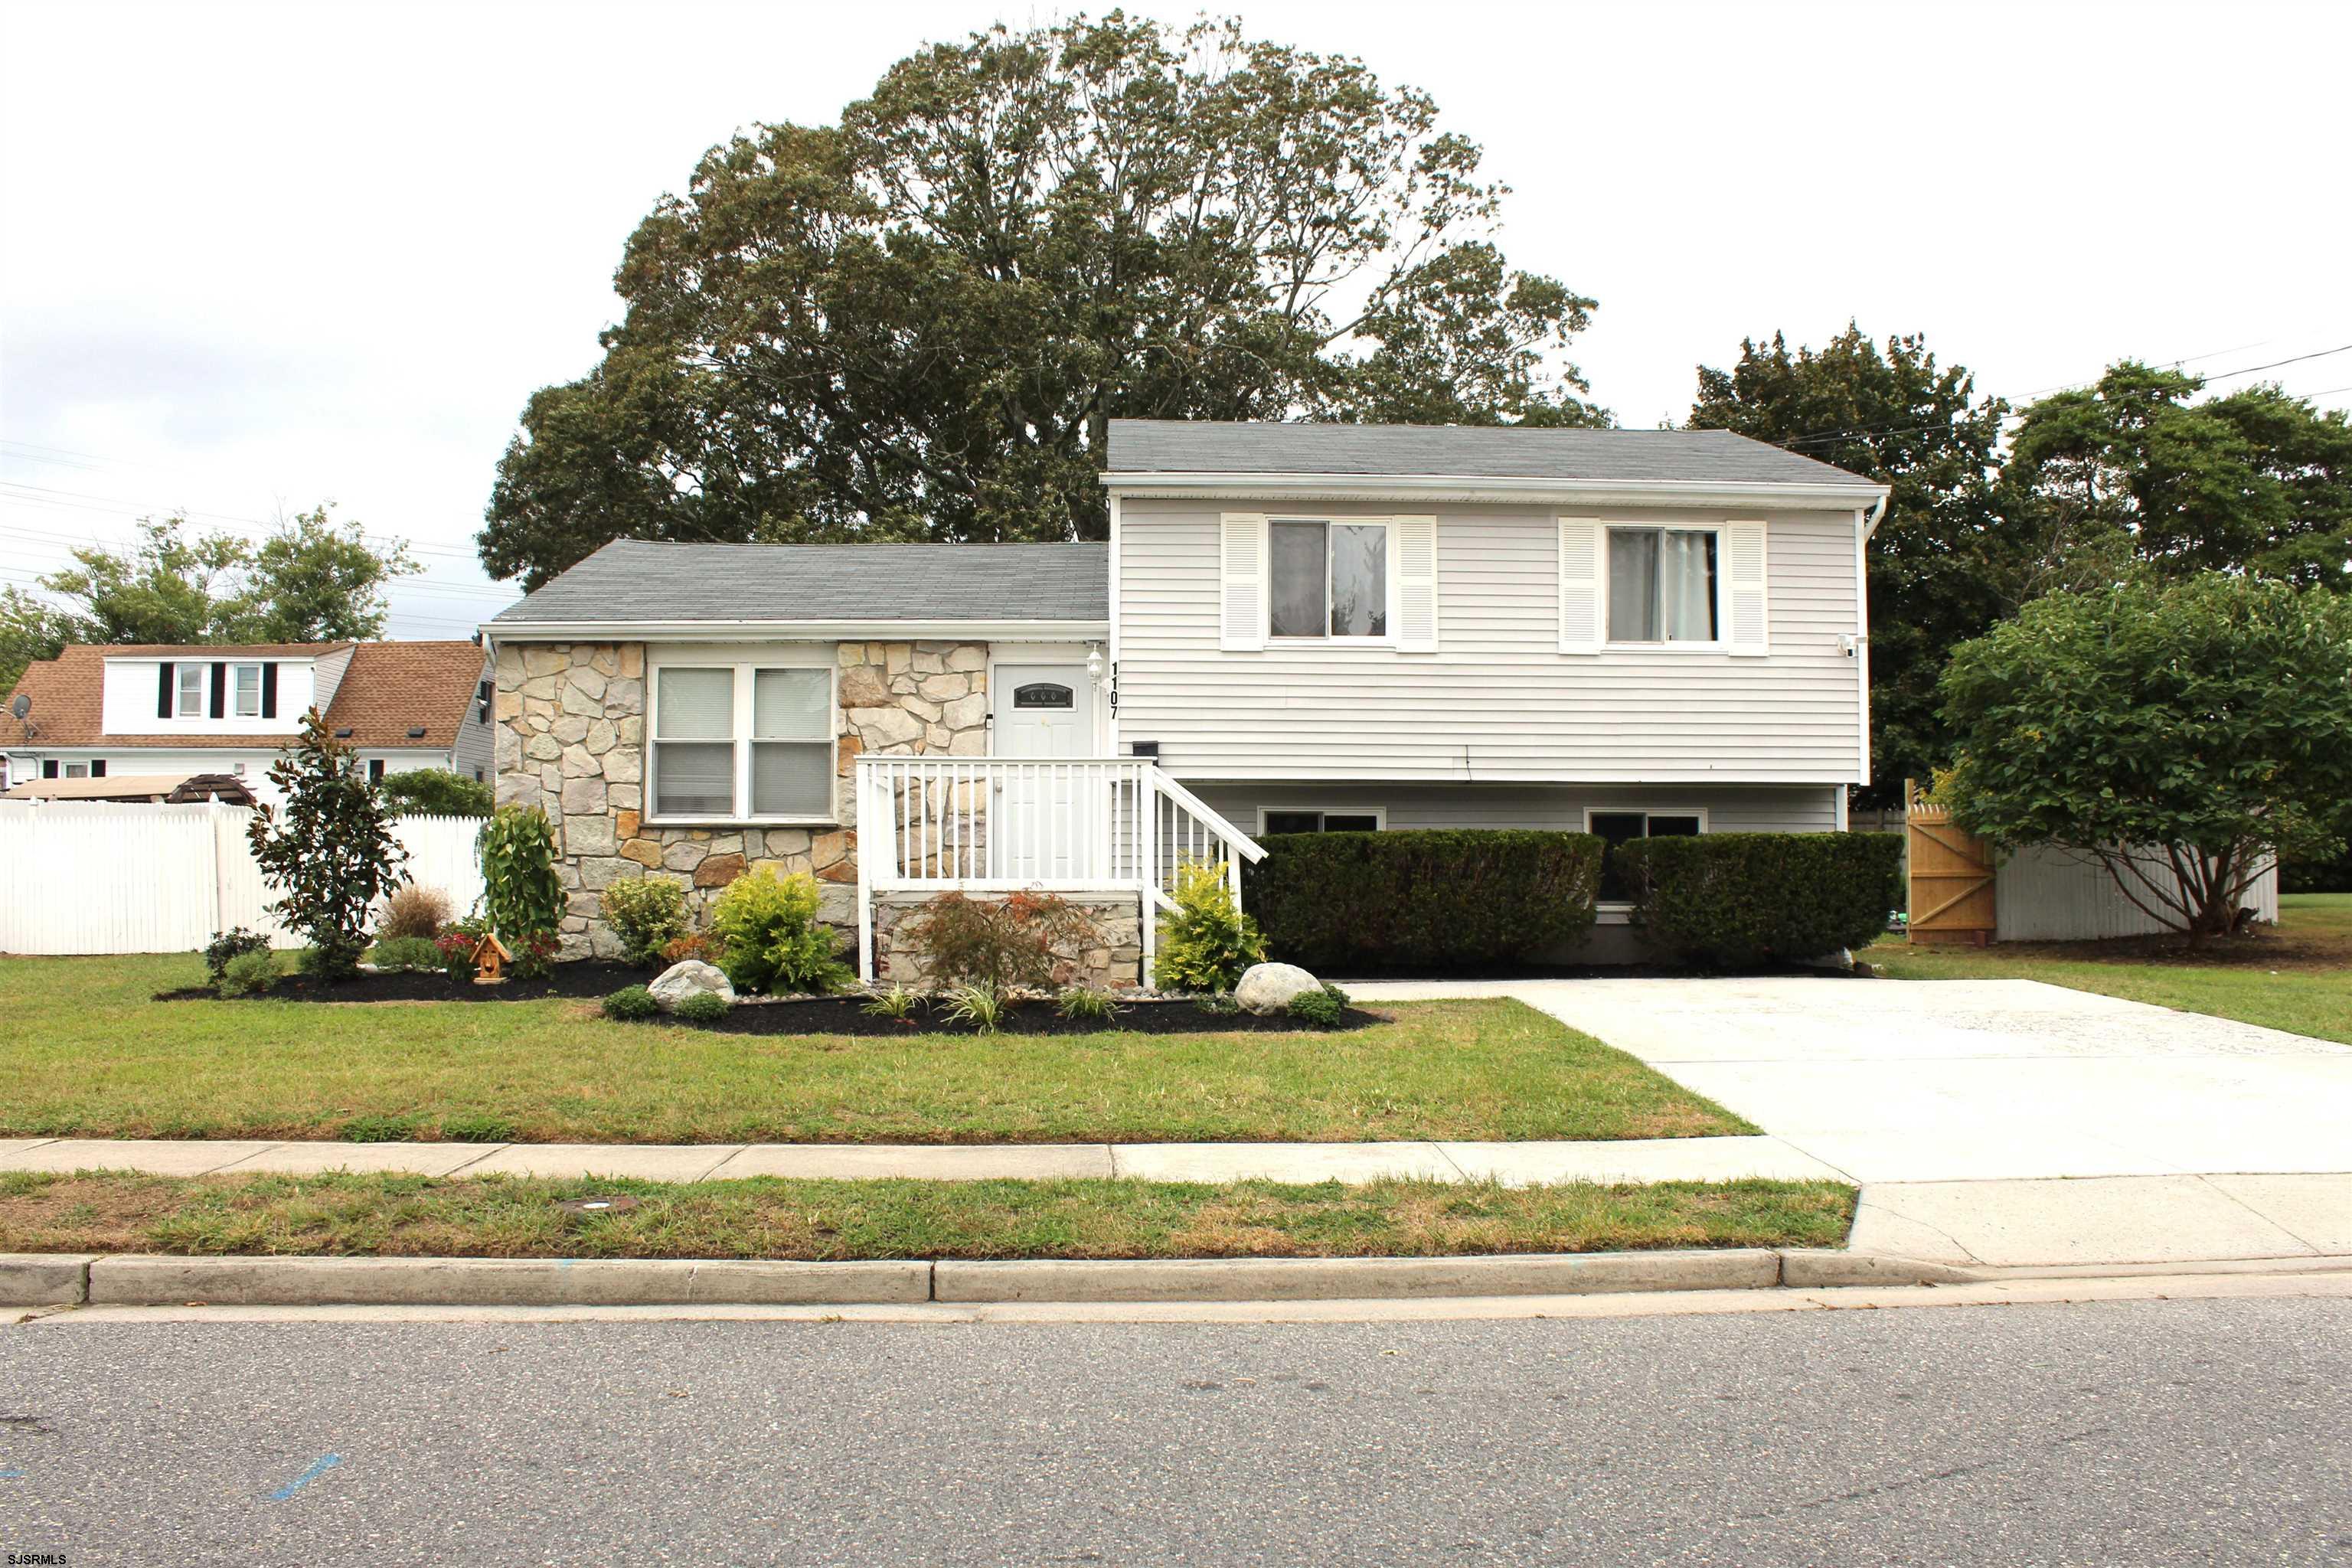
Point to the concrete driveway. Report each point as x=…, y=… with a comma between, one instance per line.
x=1956, y=1103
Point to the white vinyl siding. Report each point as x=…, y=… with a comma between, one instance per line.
x=1499, y=700
x=1404, y=807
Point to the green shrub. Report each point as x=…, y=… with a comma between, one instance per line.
x=702, y=1008
x=647, y=913
x=1090, y=1003
x=1207, y=942
x=413, y=910
x=325, y=847
x=247, y=975
x=1731, y=898
x=405, y=953
x=1422, y=899
x=521, y=892
x=630, y=1004
x=231, y=943
x=774, y=940
x=897, y=1004
x=1338, y=996
x=978, y=1003
x=435, y=792
x=1020, y=940
x=1319, y=1008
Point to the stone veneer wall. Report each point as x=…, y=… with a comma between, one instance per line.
x=1113, y=960
x=571, y=737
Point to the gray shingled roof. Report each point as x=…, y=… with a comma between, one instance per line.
x=1623, y=457
x=643, y=580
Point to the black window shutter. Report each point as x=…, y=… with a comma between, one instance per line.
x=164, y=688
x=220, y=690
x=50, y=768
x=269, y=692
x=98, y=769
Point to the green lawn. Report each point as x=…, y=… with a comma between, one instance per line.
x=382, y=1217
x=86, y=1052
x=2297, y=978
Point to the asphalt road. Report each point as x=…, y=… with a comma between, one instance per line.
x=2172, y=1432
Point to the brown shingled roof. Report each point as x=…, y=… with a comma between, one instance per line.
x=389, y=689
x=393, y=687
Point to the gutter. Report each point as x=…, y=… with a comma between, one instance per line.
x=1830, y=495
x=1877, y=513
x=499, y=631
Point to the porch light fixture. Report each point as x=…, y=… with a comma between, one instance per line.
x=1094, y=662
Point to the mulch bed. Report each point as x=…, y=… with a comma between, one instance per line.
x=592, y=980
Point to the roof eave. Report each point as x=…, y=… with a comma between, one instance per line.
x=796, y=631
x=1814, y=495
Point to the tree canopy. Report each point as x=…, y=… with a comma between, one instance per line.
x=2176, y=732
x=917, y=322
x=316, y=579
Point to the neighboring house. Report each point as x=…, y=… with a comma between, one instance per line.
x=155, y=710
x=1292, y=628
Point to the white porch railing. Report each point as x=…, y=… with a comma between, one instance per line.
x=1098, y=825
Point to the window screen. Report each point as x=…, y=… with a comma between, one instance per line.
x=1662, y=584
x=791, y=743
x=246, y=684
x=1329, y=578
x=191, y=677
x=694, y=743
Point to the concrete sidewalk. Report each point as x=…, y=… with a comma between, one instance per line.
x=1513, y=1164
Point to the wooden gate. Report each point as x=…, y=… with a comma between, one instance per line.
x=1951, y=878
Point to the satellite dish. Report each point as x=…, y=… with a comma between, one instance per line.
x=20, y=705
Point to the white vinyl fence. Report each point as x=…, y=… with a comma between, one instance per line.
x=2051, y=895
x=97, y=876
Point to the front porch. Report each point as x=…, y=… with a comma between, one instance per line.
x=1088, y=828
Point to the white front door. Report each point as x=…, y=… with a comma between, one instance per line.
x=1044, y=821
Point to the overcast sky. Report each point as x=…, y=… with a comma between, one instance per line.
x=257, y=256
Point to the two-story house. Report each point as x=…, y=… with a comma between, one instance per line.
x=1291, y=628
x=96, y=710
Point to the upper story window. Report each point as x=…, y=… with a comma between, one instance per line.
x=244, y=685
x=1661, y=585
x=1328, y=579
x=740, y=742
x=189, y=683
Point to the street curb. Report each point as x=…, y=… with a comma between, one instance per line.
x=153, y=1281
x=47, y=1279
x=44, y=1279
x=1351, y=1278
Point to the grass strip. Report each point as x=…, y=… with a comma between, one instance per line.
x=347, y=1214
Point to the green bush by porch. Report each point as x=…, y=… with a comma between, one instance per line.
x=1430, y=899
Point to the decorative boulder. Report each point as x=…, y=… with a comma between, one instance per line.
x=1268, y=987
x=691, y=978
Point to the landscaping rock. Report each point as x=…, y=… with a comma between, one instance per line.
x=1268, y=987
x=691, y=978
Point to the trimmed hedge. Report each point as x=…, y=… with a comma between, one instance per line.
x=1735, y=899
x=1424, y=898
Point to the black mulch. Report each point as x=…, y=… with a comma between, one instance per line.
x=779, y=1015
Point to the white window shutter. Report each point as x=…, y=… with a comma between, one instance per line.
x=1581, y=576
x=1416, y=581
x=1749, y=632
x=1241, y=583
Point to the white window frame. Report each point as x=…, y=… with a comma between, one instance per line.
x=745, y=670
x=1617, y=909
x=180, y=708
x=1394, y=606
x=236, y=674
x=1379, y=814
x=1719, y=642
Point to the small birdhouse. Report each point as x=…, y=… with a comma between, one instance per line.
x=490, y=961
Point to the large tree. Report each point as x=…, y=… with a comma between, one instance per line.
x=314, y=579
x=2252, y=482
x=915, y=323
x=2179, y=734
x=1941, y=569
